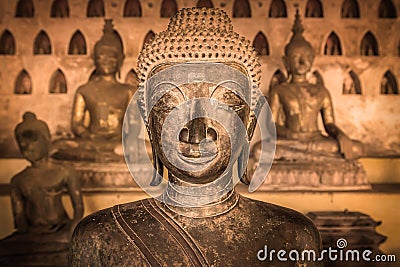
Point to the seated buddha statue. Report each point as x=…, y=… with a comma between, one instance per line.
x=43, y=228
x=198, y=97
x=99, y=107
x=296, y=105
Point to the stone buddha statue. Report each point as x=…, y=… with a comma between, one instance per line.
x=297, y=104
x=43, y=228
x=198, y=96
x=99, y=107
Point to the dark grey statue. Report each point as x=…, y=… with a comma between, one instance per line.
x=43, y=228
x=198, y=96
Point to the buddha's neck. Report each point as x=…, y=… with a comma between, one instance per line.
x=299, y=79
x=108, y=78
x=40, y=163
x=208, y=200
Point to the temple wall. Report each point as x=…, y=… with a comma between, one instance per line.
x=370, y=116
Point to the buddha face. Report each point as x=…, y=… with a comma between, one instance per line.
x=32, y=145
x=299, y=60
x=198, y=128
x=106, y=60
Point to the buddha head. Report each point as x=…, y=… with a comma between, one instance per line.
x=199, y=96
x=33, y=138
x=108, y=51
x=299, y=54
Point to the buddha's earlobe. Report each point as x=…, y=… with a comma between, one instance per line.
x=158, y=170
x=251, y=126
x=242, y=163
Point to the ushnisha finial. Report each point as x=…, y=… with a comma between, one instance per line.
x=297, y=27
x=109, y=37
x=297, y=39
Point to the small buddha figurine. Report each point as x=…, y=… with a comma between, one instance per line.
x=99, y=107
x=198, y=95
x=297, y=104
x=41, y=222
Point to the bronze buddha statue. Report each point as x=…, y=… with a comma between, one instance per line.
x=99, y=107
x=43, y=227
x=297, y=104
x=198, y=95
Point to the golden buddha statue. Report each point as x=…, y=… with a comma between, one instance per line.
x=43, y=228
x=296, y=105
x=198, y=96
x=306, y=159
x=99, y=107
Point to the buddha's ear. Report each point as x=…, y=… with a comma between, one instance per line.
x=251, y=125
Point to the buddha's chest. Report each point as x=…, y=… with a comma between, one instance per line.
x=302, y=99
x=102, y=98
x=41, y=183
x=222, y=243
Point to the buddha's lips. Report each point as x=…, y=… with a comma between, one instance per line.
x=197, y=157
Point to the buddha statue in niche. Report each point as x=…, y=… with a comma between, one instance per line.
x=99, y=107
x=297, y=104
x=43, y=228
x=198, y=95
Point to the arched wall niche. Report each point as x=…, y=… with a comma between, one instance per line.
x=59, y=9
x=314, y=9
x=149, y=36
x=77, y=44
x=25, y=9
x=333, y=46
x=42, y=44
x=277, y=9
x=350, y=9
x=7, y=43
x=387, y=9
x=132, y=8
x=23, y=84
x=95, y=8
x=260, y=44
x=389, y=84
x=241, y=9
x=369, y=45
x=168, y=8
x=205, y=3
x=58, y=83
x=351, y=84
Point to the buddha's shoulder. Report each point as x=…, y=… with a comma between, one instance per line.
x=268, y=213
x=127, y=87
x=280, y=87
x=103, y=222
x=22, y=177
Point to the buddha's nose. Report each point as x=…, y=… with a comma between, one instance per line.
x=199, y=128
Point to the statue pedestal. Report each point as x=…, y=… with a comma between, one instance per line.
x=111, y=176
x=333, y=175
x=347, y=231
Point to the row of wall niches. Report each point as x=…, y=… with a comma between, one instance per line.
x=77, y=46
x=351, y=83
x=241, y=9
x=58, y=82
